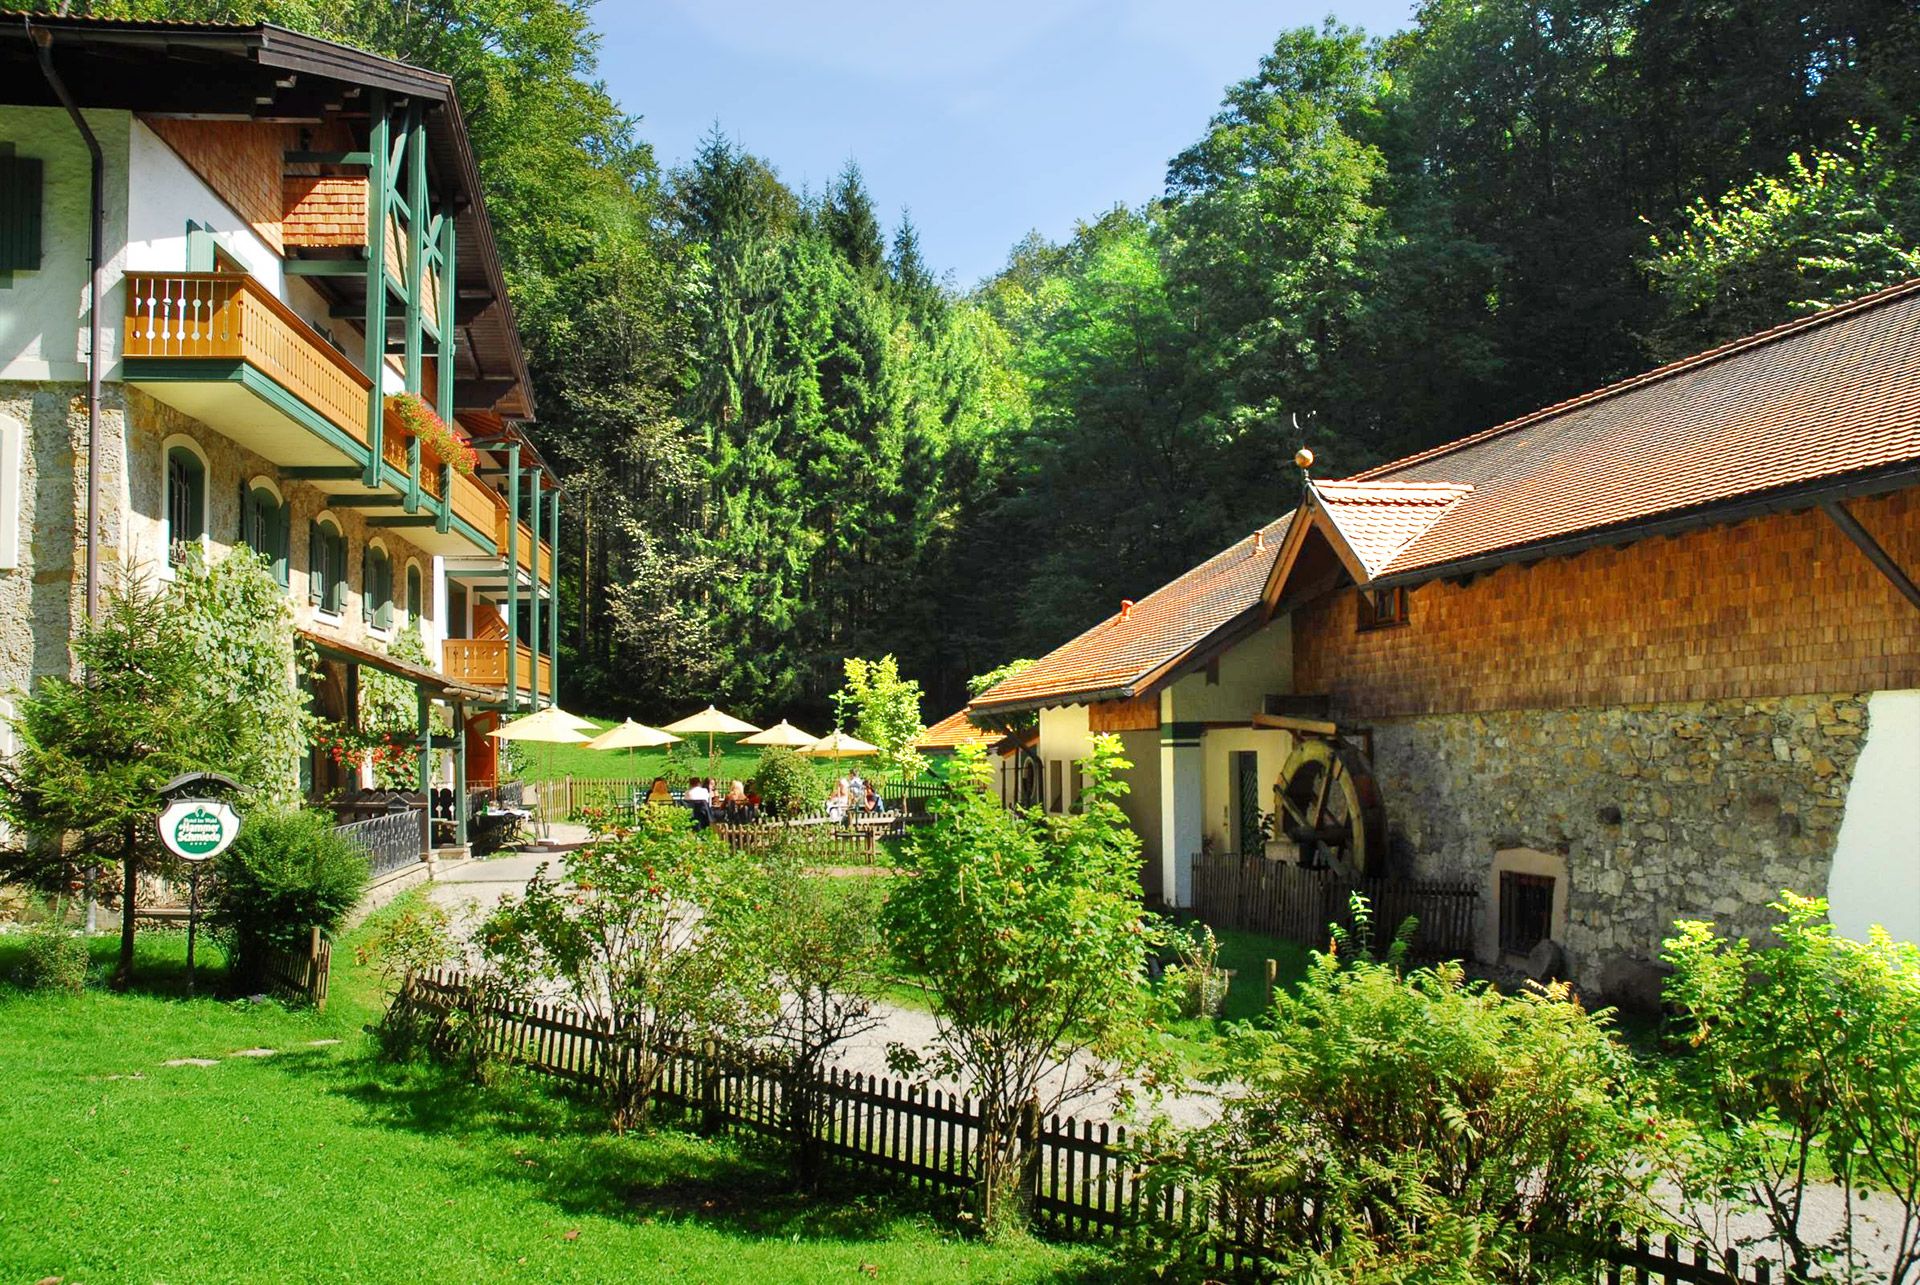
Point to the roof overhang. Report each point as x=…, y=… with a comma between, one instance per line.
x=1753, y=505
x=419, y=675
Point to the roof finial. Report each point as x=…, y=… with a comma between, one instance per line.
x=1303, y=457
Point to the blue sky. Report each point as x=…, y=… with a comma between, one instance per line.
x=987, y=119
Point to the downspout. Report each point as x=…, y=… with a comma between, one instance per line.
x=96, y=237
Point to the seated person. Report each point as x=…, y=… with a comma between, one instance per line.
x=837, y=803
x=659, y=792
x=737, y=799
x=700, y=799
x=872, y=799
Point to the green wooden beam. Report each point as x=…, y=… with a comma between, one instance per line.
x=533, y=597
x=553, y=608
x=326, y=267
x=322, y=472
x=362, y=159
x=378, y=185
x=513, y=564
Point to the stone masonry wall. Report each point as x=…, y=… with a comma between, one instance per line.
x=1686, y=810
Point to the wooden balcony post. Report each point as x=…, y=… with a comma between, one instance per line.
x=533, y=592
x=460, y=773
x=553, y=602
x=378, y=185
x=513, y=570
x=443, y=362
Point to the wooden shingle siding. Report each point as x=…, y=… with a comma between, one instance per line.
x=240, y=160
x=1141, y=714
x=1776, y=606
x=325, y=210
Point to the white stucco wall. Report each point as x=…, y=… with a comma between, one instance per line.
x=1064, y=739
x=43, y=314
x=1254, y=668
x=1876, y=861
x=1218, y=747
x=165, y=196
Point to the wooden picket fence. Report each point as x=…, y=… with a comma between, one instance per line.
x=301, y=974
x=1081, y=1181
x=1284, y=900
x=823, y=844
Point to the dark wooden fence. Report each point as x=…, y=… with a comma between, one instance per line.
x=823, y=844
x=1081, y=1180
x=574, y=797
x=1285, y=900
x=301, y=973
x=392, y=840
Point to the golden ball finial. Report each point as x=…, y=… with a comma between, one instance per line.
x=1303, y=457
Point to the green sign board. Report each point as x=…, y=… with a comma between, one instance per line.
x=198, y=829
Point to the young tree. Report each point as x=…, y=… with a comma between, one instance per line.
x=95, y=749
x=625, y=940
x=1809, y=1051
x=886, y=710
x=1032, y=937
x=1414, y=1126
x=1843, y=224
x=817, y=957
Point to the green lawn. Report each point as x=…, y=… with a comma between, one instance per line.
x=320, y=1163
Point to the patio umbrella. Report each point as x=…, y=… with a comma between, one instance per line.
x=632, y=736
x=551, y=726
x=713, y=723
x=782, y=733
x=839, y=745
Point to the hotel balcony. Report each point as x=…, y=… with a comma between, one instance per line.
x=220, y=347
x=483, y=663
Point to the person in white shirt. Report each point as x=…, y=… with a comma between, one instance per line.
x=700, y=799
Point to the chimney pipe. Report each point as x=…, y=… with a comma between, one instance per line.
x=1126, y=608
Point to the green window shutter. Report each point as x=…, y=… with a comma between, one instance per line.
x=246, y=515
x=19, y=214
x=366, y=586
x=199, y=248
x=316, y=562
x=282, y=543
x=337, y=587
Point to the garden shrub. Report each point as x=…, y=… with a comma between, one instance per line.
x=288, y=872
x=1195, y=981
x=787, y=782
x=55, y=959
x=1801, y=1056
x=1415, y=1126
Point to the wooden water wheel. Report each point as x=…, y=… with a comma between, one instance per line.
x=1328, y=803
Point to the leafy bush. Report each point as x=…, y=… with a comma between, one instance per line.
x=1196, y=982
x=627, y=942
x=1031, y=934
x=1413, y=1126
x=56, y=960
x=286, y=873
x=786, y=782
x=1807, y=1051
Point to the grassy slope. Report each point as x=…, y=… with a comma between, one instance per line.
x=322, y=1163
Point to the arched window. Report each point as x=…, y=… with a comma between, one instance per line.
x=264, y=525
x=186, y=502
x=416, y=594
x=326, y=565
x=376, y=588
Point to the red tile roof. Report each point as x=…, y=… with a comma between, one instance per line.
x=1112, y=659
x=1826, y=396
x=952, y=732
x=1378, y=519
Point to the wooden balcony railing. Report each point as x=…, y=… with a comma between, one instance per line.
x=483, y=661
x=229, y=314
x=524, y=550
x=476, y=504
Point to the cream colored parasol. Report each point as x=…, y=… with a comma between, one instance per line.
x=712, y=722
x=551, y=726
x=782, y=733
x=839, y=745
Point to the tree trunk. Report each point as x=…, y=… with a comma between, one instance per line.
x=123, y=975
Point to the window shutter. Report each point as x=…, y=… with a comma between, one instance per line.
x=246, y=497
x=366, y=585
x=19, y=214
x=337, y=586
x=199, y=248
x=316, y=562
x=282, y=543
